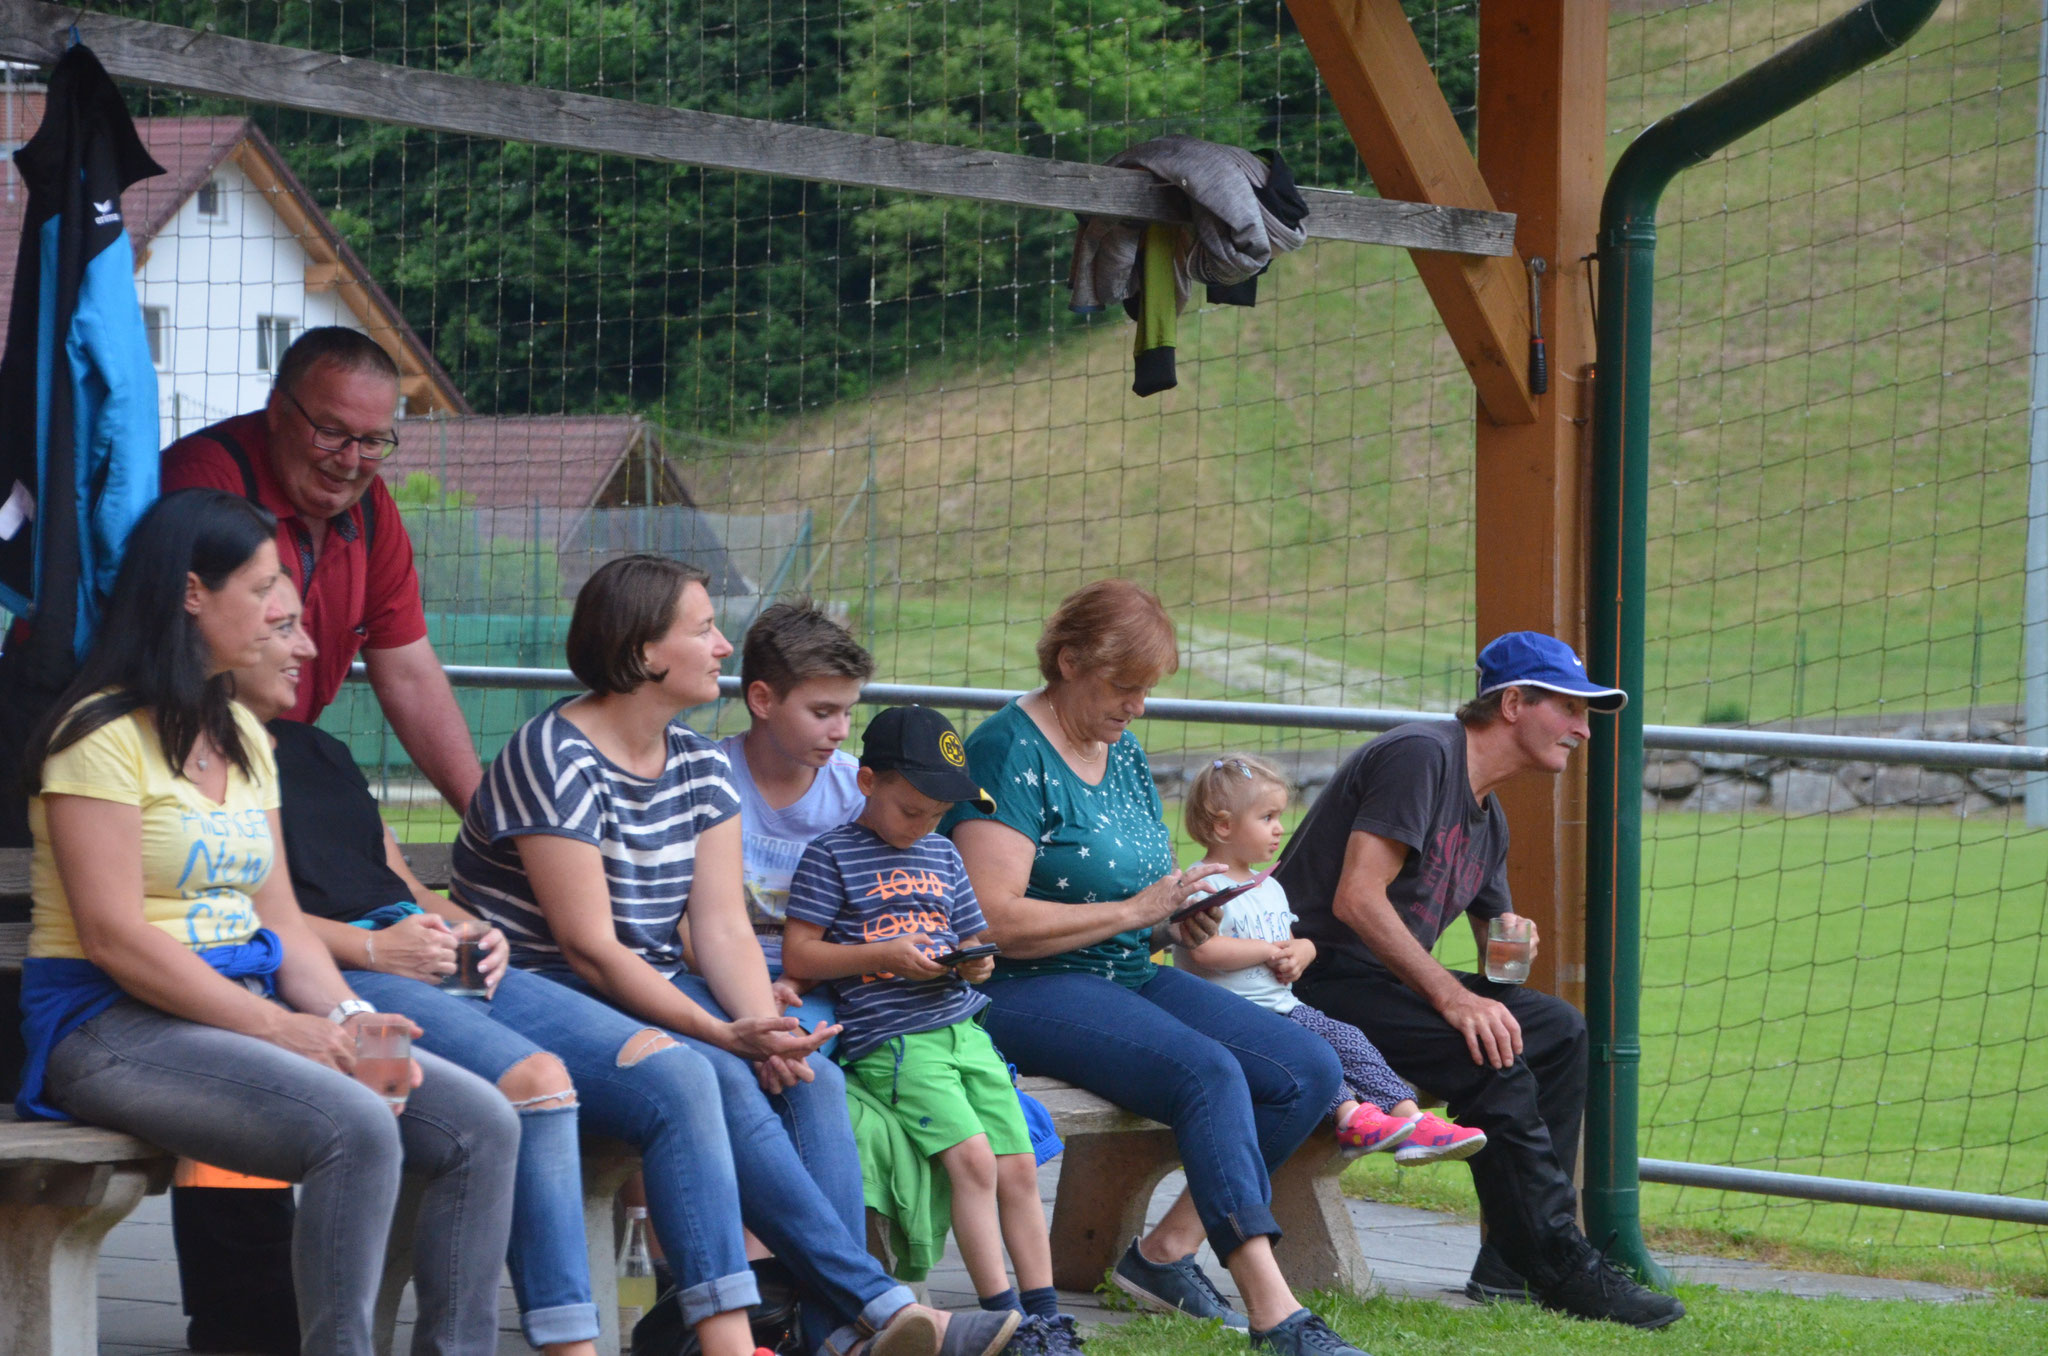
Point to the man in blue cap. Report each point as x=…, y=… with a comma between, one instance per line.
x=1407, y=837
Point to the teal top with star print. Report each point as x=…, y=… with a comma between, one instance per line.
x=1095, y=843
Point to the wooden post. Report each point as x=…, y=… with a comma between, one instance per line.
x=1542, y=149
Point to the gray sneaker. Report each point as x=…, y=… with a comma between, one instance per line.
x=1301, y=1333
x=1174, y=1288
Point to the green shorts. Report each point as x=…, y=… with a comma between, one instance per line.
x=949, y=1086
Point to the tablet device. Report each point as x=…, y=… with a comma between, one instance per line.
x=965, y=953
x=1217, y=897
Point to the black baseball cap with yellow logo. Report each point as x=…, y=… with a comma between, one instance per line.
x=922, y=744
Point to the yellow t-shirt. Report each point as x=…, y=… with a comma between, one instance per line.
x=200, y=861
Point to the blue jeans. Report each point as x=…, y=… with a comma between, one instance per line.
x=550, y=1267
x=668, y=1106
x=1240, y=1086
x=799, y=1182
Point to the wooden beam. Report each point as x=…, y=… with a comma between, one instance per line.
x=1542, y=146
x=325, y=277
x=320, y=82
x=1411, y=145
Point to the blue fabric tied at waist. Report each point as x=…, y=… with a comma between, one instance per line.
x=376, y=920
x=59, y=995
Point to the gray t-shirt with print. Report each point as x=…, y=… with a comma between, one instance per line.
x=1409, y=785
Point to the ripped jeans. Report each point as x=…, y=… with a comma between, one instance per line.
x=550, y=1268
x=668, y=1106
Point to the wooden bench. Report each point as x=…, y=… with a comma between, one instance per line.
x=63, y=1186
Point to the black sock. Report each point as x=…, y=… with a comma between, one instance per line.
x=1041, y=1303
x=1001, y=1304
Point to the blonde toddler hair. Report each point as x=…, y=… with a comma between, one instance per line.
x=1225, y=787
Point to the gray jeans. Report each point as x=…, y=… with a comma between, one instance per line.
x=249, y=1106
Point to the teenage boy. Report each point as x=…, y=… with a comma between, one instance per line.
x=879, y=907
x=801, y=674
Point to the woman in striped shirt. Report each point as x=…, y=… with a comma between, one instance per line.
x=604, y=820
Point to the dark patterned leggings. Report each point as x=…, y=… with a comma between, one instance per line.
x=1367, y=1076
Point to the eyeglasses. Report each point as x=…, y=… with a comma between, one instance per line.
x=369, y=446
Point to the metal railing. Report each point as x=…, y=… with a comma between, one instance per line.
x=1360, y=720
x=1370, y=720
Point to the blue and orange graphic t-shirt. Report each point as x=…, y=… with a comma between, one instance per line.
x=859, y=889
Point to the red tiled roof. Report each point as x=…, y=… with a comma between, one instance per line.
x=190, y=150
x=539, y=461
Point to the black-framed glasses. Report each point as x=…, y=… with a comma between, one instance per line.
x=369, y=446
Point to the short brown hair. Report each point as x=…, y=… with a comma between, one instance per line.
x=1481, y=712
x=350, y=350
x=1224, y=788
x=790, y=643
x=1113, y=626
x=623, y=607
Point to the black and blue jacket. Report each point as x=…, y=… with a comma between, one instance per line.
x=78, y=439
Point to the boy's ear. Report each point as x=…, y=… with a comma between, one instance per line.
x=865, y=780
x=760, y=697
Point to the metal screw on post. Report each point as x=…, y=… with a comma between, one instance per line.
x=1539, y=361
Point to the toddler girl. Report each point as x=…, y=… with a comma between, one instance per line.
x=1233, y=810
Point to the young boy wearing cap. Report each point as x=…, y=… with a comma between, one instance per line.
x=875, y=907
x=1407, y=837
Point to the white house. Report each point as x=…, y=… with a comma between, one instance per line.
x=235, y=259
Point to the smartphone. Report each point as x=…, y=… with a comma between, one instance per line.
x=965, y=953
x=1223, y=896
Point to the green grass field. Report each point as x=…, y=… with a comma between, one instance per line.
x=1853, y=996
x=1724, y=1324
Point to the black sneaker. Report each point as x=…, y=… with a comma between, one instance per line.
x=1494, y=1281
x=1301, y=1333
x=1173, y=1287
x=1590, y=1286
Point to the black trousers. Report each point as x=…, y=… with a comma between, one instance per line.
x=1531, y=1111
x=235, y=1268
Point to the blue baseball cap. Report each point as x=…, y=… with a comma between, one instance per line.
x=1532, y=659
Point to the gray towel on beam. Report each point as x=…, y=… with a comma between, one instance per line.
x=1245, y=211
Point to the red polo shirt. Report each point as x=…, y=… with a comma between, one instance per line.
x=356, y=598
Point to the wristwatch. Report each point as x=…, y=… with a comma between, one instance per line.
x=347, y=1008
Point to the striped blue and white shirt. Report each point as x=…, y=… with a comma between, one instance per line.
x=550, y=779
x=859, y=889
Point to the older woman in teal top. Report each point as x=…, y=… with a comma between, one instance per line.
x=1074, y=869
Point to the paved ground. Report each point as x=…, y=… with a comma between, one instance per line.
x=1412, y=1252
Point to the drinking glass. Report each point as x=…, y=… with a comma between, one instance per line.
x=384, y=1057
x=1510, y=946
x=468, y=980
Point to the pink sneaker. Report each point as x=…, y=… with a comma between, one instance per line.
x=1436, y=1140
x=1371, y=1130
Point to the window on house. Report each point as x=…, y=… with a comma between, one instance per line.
x=273, y=337
x=209, y=199
x=156, y=322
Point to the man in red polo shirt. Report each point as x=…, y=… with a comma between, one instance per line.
x=311, y=456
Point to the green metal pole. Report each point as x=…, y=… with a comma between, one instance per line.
x=1628, y=268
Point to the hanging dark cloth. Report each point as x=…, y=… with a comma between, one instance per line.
x=1245, y=209
x=78, y=445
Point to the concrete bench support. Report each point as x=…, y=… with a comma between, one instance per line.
x=53, y=1215
x=1115, y=1160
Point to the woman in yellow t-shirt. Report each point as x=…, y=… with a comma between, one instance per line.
x=172, y=989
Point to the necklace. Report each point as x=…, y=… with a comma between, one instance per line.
x=1068, y=735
